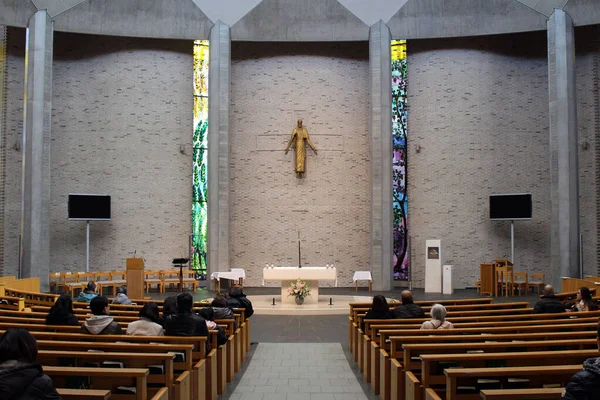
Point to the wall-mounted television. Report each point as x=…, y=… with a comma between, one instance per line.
x=89, y=207
x=510, y=207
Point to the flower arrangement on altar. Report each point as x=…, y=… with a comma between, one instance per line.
x=299, y=290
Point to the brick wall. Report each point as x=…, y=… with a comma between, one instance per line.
x=14, y=143
x=478, y=111
x=122, y=108
x=272, y=86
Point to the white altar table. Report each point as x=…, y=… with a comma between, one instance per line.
x=311, y=275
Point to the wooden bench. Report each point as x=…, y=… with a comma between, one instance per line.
x=523, y=394
x=431, y=376
x=83, y=394
x=538, y=376
x=104, y=378
x=136, y=360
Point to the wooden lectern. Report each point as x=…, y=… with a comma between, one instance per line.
x=135, y=278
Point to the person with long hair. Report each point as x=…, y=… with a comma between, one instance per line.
x=584, y=300
x=21, y=376
x=61, y=312
x=380, y=309
x=438, y=318
x=149, y=323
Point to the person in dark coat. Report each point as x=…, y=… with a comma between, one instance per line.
x=408, y=309
x=548, y=303
x=237, y=299
x=585, y=385
x=21, y=377
x=380, y=309
x=61, y=312
x=100, y=323
x=185, y=323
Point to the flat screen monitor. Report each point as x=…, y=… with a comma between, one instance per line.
x=510, y=206
x=89, y=207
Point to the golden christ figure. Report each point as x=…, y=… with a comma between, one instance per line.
x=299, y=135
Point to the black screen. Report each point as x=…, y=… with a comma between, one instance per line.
x=510, y=206
x=89, y=206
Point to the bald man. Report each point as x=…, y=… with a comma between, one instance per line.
x=548, y=303
x=408, y=309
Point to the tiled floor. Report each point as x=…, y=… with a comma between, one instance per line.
x=290, y=371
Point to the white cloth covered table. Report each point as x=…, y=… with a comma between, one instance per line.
x=312, y=276
x=235, y=274
x=362, y=276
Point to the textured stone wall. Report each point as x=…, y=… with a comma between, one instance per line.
x=272, y=86
x=587, y=47
x=14, y=144
x=477, y=125
x=122, y=111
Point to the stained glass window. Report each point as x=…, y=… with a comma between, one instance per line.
x=399, y=117
x=199, y=159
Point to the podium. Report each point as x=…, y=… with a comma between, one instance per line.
x=135, y=277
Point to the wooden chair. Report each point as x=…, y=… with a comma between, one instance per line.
x=154, y=278
x=505, y=279
x=72, y=283
x=103, y=279
x=521, y=282
x=538, y=282
x=56, y=282
x=119, y=278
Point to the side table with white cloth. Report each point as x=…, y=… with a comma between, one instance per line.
x=362, y=276
x=312, y=276
x=235, y=274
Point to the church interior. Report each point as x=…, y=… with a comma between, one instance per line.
x=336, y=164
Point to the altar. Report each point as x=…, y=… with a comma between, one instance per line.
x=311, y=275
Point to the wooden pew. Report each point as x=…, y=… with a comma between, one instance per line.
x=384, y=355
x=83, y=394
x=104, y=378
x=431, y=376
x=130, y=360
x=523, y=394
x=537, y=376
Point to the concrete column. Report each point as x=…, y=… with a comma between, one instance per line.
x=219, y=89
x=35, y=204
x=564, y=189
x=380, y=77
x=3, y=79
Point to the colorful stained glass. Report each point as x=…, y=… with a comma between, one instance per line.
x=399, y=131
x=199, y=159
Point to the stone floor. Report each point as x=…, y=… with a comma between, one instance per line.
x=298, y=371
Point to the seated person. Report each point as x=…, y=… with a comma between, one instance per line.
x=408, y=309
x=208, y=315
x=100, y=323
x=88, y=293
x=585, y=385
x=221, y=309
x=149, y=323
x=379, y=310
x=185, y=323
x=438, y=319
x=585, y=301
x=21, y=377
x=169, y=308
x=548, y=303
x=61, y=312
x=121, y=297
x=237, y=299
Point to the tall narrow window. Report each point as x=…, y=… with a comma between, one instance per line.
x=399, y=118
x=199, y=159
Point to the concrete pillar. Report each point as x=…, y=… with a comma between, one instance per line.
x=3, y=79
x=35, y=204
x=219, y=89
x=564, y=189
x=380, y=77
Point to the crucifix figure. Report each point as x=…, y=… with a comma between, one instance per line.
x=299, y=135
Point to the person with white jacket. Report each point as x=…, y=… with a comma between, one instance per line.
x=148, y=324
